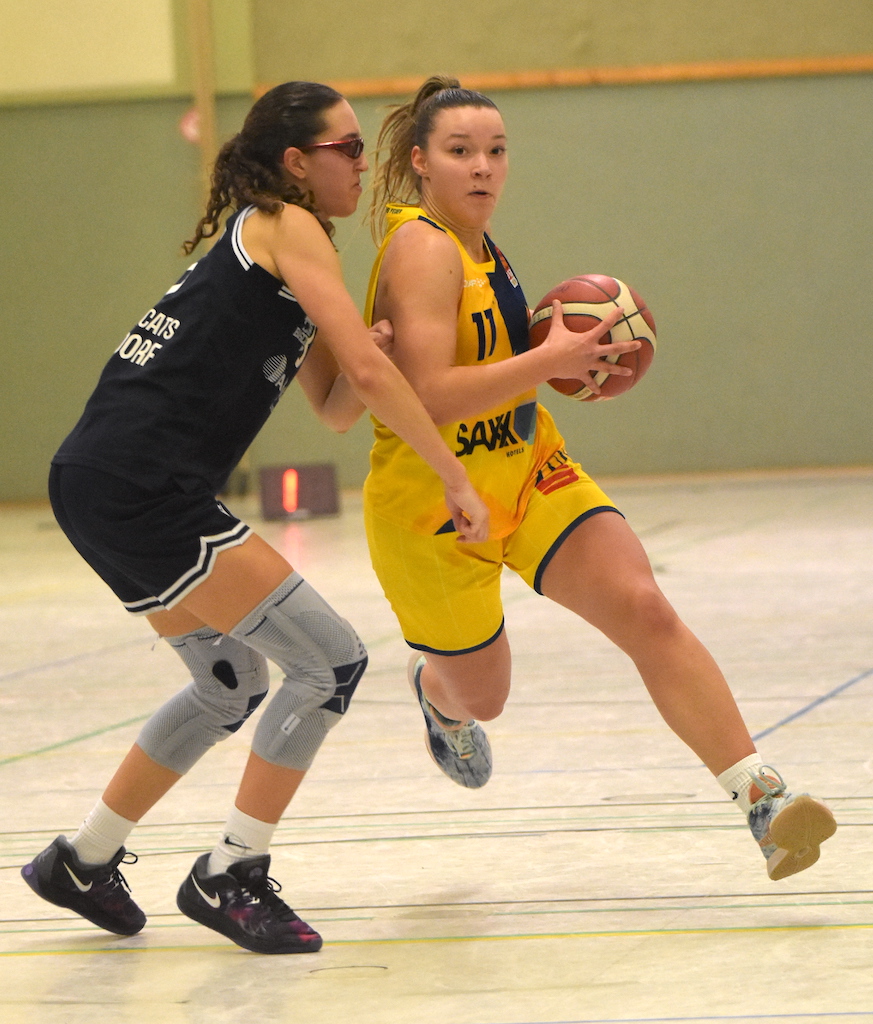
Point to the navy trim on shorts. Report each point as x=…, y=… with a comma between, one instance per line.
x=451, y=654
x=550, y=554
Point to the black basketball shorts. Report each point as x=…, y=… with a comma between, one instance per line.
x=152, y=547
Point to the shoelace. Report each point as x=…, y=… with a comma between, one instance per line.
x=771, y=784
x=266, y=892
x=117, y=879
x=461, y=741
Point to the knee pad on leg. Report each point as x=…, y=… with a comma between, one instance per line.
x=229, y=680
x=322, y=660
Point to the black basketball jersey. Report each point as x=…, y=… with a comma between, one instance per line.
x=195, y=379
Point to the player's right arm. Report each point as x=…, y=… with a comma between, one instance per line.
x=419, y=290
x=308, y=264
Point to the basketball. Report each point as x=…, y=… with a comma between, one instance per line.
x=586, y=300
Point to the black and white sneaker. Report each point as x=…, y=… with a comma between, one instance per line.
x=98, y=893
x=244, y=905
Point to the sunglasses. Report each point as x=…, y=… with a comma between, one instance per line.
x=352, y=148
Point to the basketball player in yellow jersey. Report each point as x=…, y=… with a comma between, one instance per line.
x=445, y=167
x=504, y=447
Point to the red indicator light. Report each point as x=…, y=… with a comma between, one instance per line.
x=290, y=490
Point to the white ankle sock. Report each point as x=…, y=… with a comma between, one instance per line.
x=738, y=780
x=243, y=837
x=100, y=835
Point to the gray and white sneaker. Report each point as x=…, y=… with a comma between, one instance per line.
x=459, y=749
x=789, y=829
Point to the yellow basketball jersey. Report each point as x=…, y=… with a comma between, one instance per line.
x=504, y=449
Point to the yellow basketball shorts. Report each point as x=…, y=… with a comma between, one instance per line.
x=446, y=594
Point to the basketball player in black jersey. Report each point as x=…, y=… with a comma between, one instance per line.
x=134, y=488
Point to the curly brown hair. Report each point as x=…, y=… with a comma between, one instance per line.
x=410, y=124
x=249, y=169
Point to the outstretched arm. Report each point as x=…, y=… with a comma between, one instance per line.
x=309, y=266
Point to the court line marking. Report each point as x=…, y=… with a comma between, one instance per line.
x=72, y=739
x=835, y=692
x=431, y=940
x=814, y=704
x=45, y=666
x=583, y=906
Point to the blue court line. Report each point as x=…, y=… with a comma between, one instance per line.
x=814, y=704
x=143, y=640
x=84, y=656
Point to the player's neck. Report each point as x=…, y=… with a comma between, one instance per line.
x=471, y=238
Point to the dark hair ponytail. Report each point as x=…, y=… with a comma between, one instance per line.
x=248, y=168
x=410, y=124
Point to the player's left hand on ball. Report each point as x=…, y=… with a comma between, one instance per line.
x=382, y=332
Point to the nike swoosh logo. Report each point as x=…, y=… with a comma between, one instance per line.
x=213, y=901
x=79, y=885
x=230, y=841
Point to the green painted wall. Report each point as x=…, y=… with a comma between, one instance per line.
x=418, y=37
x=96, y=202
x=740, y=210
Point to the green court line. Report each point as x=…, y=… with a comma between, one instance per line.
x=371, y=644
x=71, y=740
x=430, y=940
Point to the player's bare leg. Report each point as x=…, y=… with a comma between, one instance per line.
x=602, y=573
x=474, y=685
x=243, y=576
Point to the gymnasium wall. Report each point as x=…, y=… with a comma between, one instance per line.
x=739, y=207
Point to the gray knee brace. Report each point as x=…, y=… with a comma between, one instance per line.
x=229, y=681
x=322, y=660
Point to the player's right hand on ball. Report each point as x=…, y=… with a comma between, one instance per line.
x=581, y=354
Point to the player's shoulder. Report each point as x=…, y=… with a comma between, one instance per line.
x=290, y=232
x=422, y=239
x=296, y=221
x=288, y=222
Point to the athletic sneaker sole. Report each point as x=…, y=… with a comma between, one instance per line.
x=798, y=831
